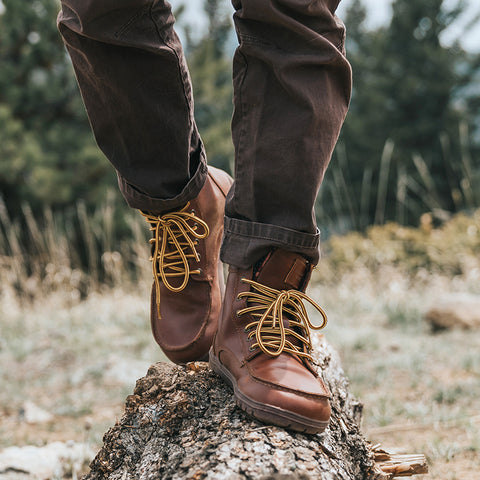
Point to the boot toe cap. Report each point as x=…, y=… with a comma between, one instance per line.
x=288, y=408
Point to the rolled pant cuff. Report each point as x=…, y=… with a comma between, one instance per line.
x=142, y=201
x=246, y=242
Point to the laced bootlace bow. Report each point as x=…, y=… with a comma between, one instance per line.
x=175, y=236
x=268, y=306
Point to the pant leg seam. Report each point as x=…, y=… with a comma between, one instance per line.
x=242, y=135
x=133, y=19
x=179, y=70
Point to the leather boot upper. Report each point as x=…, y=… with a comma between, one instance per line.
x=263, y=338
x=188, y=275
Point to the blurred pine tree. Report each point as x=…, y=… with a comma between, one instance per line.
x=414, y=92
x=410, y=142
x=210, y=67
x=52, y=158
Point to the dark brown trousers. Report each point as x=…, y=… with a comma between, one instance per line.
x=292, y=86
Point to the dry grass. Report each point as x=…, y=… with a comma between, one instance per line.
x=421, y=391
x=78, y=357
x=78, y=362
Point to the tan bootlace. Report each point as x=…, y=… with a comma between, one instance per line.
x=181, y=231
x=269, y=331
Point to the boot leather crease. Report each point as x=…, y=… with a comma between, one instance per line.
x=263, y=342
x=188, y=282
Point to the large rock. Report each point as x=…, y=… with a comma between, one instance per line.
x=455, y=311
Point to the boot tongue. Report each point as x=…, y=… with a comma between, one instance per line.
x=284, y=270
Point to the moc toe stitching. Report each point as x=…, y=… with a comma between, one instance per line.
x=294, y=391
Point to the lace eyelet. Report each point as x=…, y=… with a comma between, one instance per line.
x=200, y=271
x=237, y=313
x=252, y=348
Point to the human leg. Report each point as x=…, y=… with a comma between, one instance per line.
x=136, y=88
x=291, y=91
x=292, y=86
x=135, y=84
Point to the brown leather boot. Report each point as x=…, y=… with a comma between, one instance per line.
x=262, y=347
x=188, y=275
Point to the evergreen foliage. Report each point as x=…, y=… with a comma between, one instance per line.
x=409, y=145
x=210, y=67
x=48, y=155
x=406, y=146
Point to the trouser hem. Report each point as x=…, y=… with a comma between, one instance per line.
x=142, y=201
x=247, y=242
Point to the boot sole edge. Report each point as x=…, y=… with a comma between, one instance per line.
x=266, y=413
